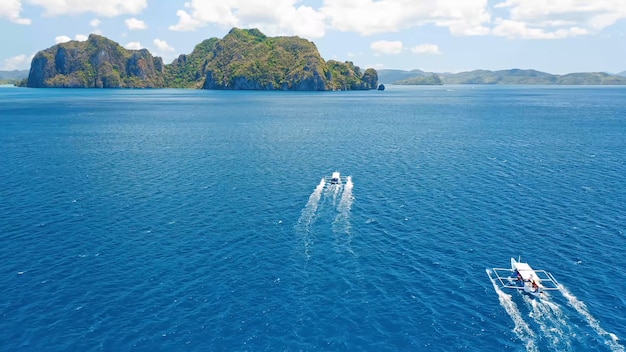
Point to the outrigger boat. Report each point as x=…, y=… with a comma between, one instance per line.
x=335, y=179
x=524, y=278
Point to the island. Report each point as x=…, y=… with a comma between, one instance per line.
x=512, y=76
x=245, y=59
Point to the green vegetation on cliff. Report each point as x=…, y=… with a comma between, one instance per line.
x=432, y=79
x=188, y=71
x=248, y=59
x=513, y=76
x=12, y=77
x=95, y=63
x=243, y=59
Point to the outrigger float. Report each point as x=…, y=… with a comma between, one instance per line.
x=524, y=278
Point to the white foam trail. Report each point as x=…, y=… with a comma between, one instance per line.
x=342, y=220
x=336, y=188
x=522, y=329
x=610, y=338
x=551, y=321
x=308, y=214
x=346, y=198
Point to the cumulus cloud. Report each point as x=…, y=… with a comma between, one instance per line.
x=18, y=62
x=107, y=8
x=133, y=24
x=64, y=39
x=133, y=46
x=554, y=20
x=467, y=17
x=426, y=49
x=95, y=22
x=509, y=18
x=387, y=47
x=516, y=18
x=11, y=10
x=274, y=17
x=519, y=29
x=162, y=46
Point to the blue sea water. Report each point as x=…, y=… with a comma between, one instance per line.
x=190, y=220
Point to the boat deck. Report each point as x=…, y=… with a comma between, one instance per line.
x=507, y=278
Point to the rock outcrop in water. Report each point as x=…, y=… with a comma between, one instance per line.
x=95, y=63
x=245, y=59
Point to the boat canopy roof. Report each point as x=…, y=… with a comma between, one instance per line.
x=526, y=272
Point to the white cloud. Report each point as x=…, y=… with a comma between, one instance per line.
x=133, y=23
x=11, y=9
x=557, y=19
x=517, y=18
x=463, y=17
x=19, y=62
x=133, y=46
x=426, y=49
x=273, y=17
x=95, y=22
x=107, y=8
x=387, y=47
x=64, y=39
x=518, y=29
x=467, y=17
x=162, y=45
x=202, y=13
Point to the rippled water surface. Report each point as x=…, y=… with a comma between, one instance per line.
x=151, y=220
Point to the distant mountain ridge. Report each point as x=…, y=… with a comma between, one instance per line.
x=512, y=76
x=245, y=59
x=12, y=77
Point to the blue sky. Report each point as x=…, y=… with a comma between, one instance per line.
x=555, y=36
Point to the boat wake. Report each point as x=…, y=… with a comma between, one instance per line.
x=341, y=225
x=555, y=323
x=609, y=339
x=522, y=329
x=307, y=217
x=337, y=191
x=552, y=322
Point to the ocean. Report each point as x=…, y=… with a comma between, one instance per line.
x=193, y=220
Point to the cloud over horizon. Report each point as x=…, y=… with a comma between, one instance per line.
x=11, y=10
x=426, y=49
x=387, y=47
x=274, y=17
x=508, y=18
x=135, y=24
x=107, y=8
x=16, y=62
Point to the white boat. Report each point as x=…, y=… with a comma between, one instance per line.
x=525, y=279
x=335, y=178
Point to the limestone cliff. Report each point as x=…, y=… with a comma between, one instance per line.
x=95, y=63
x=245, y=59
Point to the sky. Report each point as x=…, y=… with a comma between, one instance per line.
x=554, y=36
